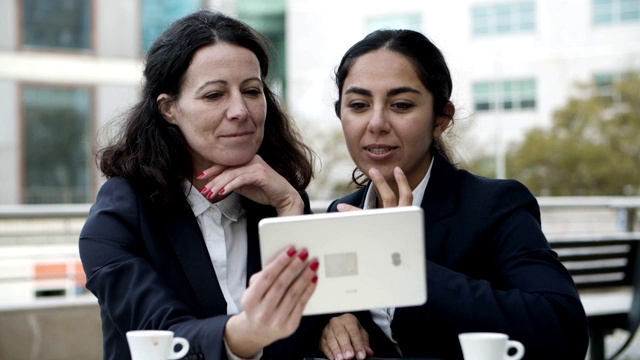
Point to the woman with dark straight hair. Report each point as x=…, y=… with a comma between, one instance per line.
x=489, y=265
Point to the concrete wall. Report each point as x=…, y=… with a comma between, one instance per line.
x=52, y=333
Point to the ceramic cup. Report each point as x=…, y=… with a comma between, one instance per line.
x=155, y=345
x=489, y=346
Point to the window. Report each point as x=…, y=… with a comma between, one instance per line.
x=58, y=24
x=503, y=18
x=57, y=145
x=268, y=18
x=609, y=12
x=402, y=21
x=505, y=95
x=157, y=15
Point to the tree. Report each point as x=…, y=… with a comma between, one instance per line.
x=592, y=148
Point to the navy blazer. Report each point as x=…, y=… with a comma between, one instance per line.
x=150, y=269
x=489, y=268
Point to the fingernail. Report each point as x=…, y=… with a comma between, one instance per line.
x=291, y=251
x=348, y=354
x=314, y=265
x=203, y=190
x=200, y=176
x=361, y=355
x=221, y=191
x=339, y=357
x=314, y=279
x=209, y=194
x=304, y=254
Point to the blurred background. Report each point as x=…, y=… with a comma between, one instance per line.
x=546, y=92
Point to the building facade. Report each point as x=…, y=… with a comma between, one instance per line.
x=69, y=67
x=513, y=62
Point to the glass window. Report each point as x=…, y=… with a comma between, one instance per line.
x=59, y=24
x=503, y=18
x=157, y=15
x=605, y=87
x=506, y=95
x=610, y=12
x=268, y=18
x=57, y=145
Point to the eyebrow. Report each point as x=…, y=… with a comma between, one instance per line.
x=403, y=89
x=390, y=92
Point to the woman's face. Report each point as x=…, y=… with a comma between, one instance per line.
x=387, y=116
x=221, y=107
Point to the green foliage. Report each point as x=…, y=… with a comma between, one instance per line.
x=592, y=148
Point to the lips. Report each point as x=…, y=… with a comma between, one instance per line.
x=238, y=134
x=379, y=149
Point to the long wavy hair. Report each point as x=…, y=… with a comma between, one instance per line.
x=427, y=61
x=153, y=154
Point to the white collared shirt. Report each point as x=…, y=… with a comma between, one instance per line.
x=224, y=228
x=383, y=317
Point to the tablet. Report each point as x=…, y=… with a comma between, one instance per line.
x=368, y=258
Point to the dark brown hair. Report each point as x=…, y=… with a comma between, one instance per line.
x=153, y=154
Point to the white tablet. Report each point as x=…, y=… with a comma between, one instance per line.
x=368, y=259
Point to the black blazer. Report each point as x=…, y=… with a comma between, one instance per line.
x=150, y=269
x=489, y=268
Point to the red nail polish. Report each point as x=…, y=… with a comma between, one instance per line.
x=304, y=254
x=200, y=176
x=209, y=194
x=314, y=265
x=291, y=251
x=203, y=190
x=221, y=191
x=314, y=280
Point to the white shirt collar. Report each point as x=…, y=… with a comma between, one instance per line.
x=230, y=206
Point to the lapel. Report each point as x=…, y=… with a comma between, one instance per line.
x=255, y=212
x=439, y=202
x=187, y=242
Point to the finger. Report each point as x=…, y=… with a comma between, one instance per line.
x=385, y=194
x=281, y=283
x=367, y=352
x=333, y=339
x=211, y=172
x=404, y=189
x=297, y=297
x=298, y=294
x=342, y=207
x=357, y=338
x=263, y=280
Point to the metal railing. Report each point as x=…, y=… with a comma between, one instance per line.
x=33, y=236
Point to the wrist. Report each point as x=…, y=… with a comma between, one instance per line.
x=293, y=206
x=239, y=339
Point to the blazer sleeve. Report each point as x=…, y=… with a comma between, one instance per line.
x=130, y=291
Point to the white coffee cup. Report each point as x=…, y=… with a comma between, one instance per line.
x=489, y=346
x=155, y=345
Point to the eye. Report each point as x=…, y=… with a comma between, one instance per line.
x=357, y=105
x=253, y=92
x=213, y=95
x=402, y=105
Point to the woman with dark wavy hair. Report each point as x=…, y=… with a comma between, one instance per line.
x=171, y=242
x=489, y=265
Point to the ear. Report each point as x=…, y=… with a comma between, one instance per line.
x=443, y=121
x=166, y=107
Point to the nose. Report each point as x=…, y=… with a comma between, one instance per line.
x=378, y=122
x=237, y=108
